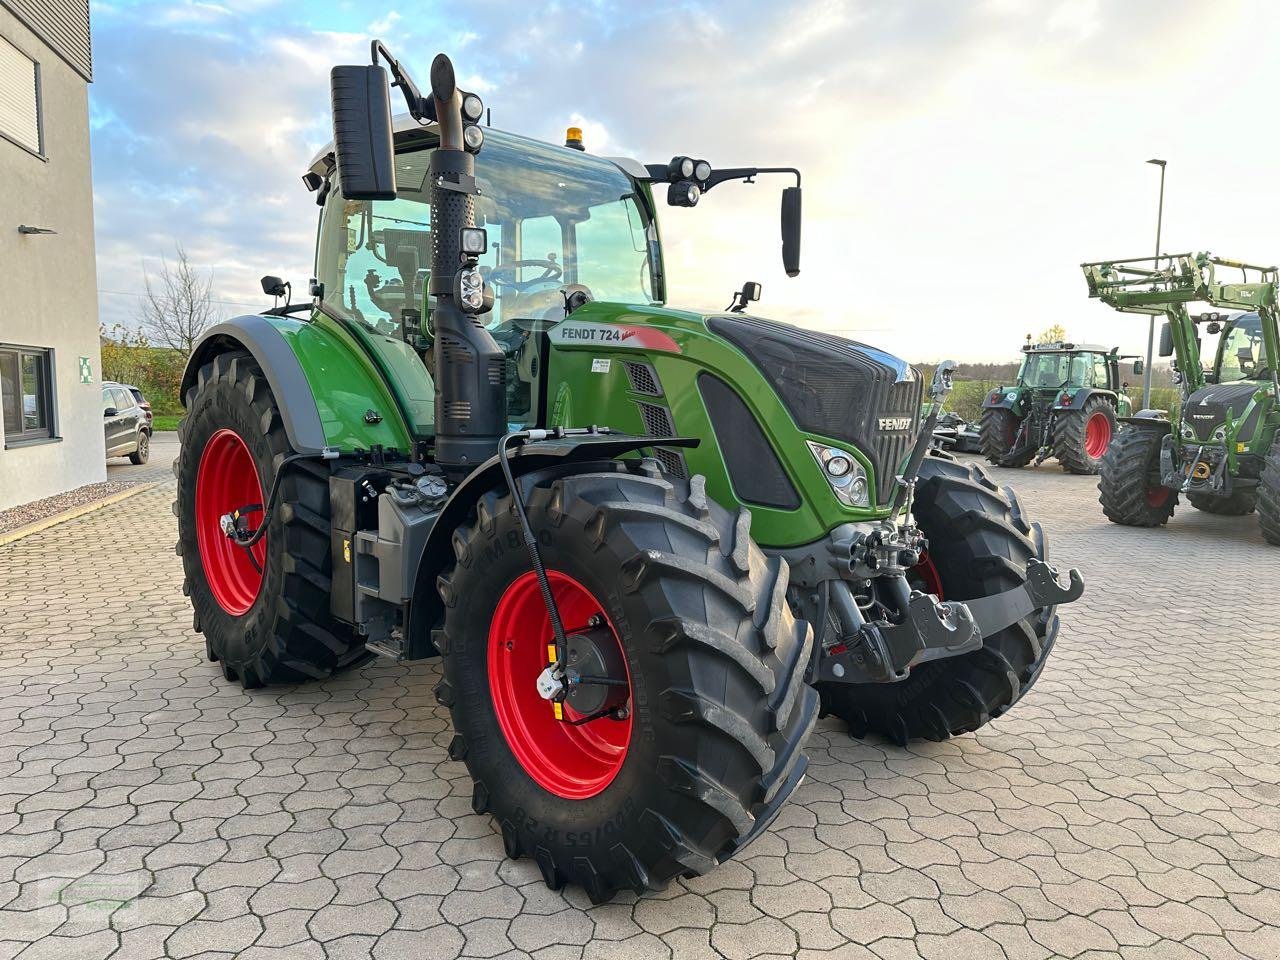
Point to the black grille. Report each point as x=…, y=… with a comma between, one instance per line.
x=672, y=462
x=657, y=420
x=754, y=470
x=644, y=379
x=836, y=388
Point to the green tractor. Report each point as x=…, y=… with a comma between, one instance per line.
x=486, y=437
x=1065, y=404
x=1219, y=448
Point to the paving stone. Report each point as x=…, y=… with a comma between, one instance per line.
x=1125, y=808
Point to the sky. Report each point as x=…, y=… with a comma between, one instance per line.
x=961, y=158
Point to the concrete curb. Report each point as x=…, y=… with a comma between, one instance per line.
x=74, y=512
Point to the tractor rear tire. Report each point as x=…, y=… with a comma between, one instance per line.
x=272, y=627
x=1269, y=497
x=715, y=662
x=979, y=544
x=1081, y=437
x=1129, y=486
x=998, y=430
x=1239, y=504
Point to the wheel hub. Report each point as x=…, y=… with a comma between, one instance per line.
x=597, y=677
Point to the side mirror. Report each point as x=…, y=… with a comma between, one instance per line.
x=791, y=230
x=110, y=412
x=1245, y=355
x=1166, y=340
x=273, y=286
x=751, y=290
x=1138, y=367
x=362, y=132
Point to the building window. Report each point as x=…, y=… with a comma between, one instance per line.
x=20, y=120
x=26, y=394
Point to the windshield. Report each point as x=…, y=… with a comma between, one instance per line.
x=1042, y=370
x=553, y=216
x=1242, y=352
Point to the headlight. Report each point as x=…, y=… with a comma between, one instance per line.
x=1188, y=431
x=845, y=474
x=1220, y=435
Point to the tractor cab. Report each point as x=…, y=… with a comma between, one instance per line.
x=563, y=228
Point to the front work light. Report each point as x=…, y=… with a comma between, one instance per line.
x=474, y=241
x=472, y=108
x=702, y=171
x=473, y=137
x=686, y=193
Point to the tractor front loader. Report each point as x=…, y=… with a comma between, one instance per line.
x=487, y=437
x=1064, y=404
x=1219, y=448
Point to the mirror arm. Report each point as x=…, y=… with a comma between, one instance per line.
x=658, y=174
x=420, y=107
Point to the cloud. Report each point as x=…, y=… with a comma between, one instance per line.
x=959, y=160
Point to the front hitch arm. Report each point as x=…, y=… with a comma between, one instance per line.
x=935, y=630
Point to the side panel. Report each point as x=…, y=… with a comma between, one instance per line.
x=591, y=383
x=323, y=381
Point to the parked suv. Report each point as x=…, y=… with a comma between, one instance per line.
x=144, y=403
x=125, y=423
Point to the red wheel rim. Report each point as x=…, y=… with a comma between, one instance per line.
x=227, y=479
x=1157, y=496
x=927, y=574
x=574, y=762
x=1097, y=435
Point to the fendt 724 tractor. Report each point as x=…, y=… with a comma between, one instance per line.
x=1219, y=448
x=1064, y=404
x=486, y=437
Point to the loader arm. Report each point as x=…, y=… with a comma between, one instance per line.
x=1167, y=283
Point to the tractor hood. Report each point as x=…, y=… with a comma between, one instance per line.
x=1206, y=409
x=834, y=387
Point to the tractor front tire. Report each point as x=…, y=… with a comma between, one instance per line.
x=1129, y=486
x=709, y=744
x=264, y=613
x=979, y=545
x=997, y=431
x=1081, y=437
x=1269, y=497
x=1239, y=504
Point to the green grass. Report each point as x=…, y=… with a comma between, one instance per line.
x=162, y=422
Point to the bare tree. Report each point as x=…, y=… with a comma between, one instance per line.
x=178, y=306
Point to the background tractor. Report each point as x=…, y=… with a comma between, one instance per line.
x=1064, y=404
x=487, y=437
x=1219, y=448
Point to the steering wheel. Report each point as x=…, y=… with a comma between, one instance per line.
x=504, y=275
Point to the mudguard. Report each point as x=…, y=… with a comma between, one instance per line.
x=1155, y=421
x=566, y=454
x=1002, y=398
x=329, y=390
x=1083, y=396
x=268, y=346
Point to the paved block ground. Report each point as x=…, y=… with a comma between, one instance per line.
x=1130, y=806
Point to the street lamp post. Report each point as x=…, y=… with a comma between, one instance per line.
x=1151, y=328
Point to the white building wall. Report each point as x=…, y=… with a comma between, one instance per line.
x=48, y=288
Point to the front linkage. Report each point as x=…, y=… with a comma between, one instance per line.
x=914, y=626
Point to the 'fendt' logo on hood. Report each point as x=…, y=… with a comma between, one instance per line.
x=895, y=423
